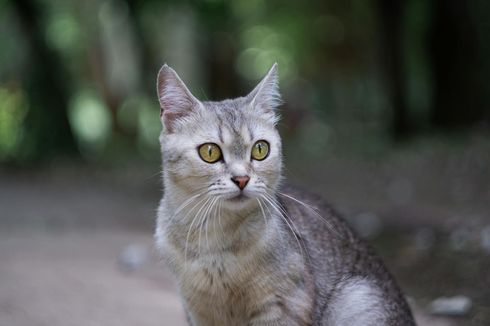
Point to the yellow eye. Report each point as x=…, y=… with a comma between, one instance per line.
x=260, y=150
x=210, y=152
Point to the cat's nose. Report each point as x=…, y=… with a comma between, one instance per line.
x=241, y=181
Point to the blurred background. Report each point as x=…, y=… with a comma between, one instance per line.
x=386, y=114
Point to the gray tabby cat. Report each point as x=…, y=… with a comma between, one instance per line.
x=244, y=250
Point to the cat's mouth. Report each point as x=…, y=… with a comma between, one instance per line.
x=239, y=198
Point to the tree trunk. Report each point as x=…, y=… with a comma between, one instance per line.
x=458, y=95
x=392, y=18
x=220, y=49
x=47, y=122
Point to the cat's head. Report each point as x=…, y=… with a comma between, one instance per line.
x=228, y=150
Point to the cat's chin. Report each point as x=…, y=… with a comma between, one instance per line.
x=238, y=202
x=239, y=198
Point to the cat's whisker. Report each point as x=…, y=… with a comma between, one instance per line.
x=199, y=225
x=314, y=210
x=263, y=212
x=268, y=210
x=189, y=230
x=209, y=214
x=285, y=218
x=188, y=201
x=159, y=173
x=201, y=221
x=205, y=200
x=215, y=217
x=281, y=214
x=219, y=219
x=214, y=214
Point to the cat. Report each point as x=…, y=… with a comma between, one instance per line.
x=244, y=248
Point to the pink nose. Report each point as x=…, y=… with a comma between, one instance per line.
x=241, y=182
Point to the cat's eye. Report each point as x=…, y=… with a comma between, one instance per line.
x=210, y=152
x=260, y=150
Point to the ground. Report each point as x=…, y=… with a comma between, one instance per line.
x=76, y=242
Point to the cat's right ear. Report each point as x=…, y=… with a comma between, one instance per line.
x=176, y=101
x=265, y=97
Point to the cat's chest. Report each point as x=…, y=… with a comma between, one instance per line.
x=217, y=271
x=223, y=279
x=218, y=286
x=217, y=274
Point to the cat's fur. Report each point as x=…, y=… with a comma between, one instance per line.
x=267, y=255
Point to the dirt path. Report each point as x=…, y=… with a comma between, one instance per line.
x=62, y=232
x=74, y=279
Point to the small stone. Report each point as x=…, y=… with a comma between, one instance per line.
x=459, y=239
x=451, y=306
x=400, y=191
x=424, y=238
x=485, y=238
x=368, y=224
x=132, y=257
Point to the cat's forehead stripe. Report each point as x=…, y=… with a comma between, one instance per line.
x=232, y=123
x=239, y=147
x=220, y=128
x=250, y=132
x=220, y=133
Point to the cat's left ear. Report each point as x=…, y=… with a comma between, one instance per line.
x=265, y=97
x=176, y=101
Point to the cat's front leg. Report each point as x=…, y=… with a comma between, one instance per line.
x=276, y=314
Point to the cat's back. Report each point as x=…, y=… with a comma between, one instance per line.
x=324, y=234
x=353, y=287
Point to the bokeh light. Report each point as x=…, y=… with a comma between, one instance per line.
x=91, y=122
x=13, y=110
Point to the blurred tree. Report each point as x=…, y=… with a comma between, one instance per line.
x=135, y=7
x=392, y=23
x=326, y=52
x=454, y=50
x=220, y=47
x=47, y=126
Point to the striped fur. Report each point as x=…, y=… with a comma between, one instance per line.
x=267, y=255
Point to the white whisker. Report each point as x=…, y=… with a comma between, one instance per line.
x=219, y=219
x=190, y=226
x=215, y=217
x=285, y=218
x=205, y=221
x=263, y=212
x=186, y=203
x=314, y=210
x=202, y=219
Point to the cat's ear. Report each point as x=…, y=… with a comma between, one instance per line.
x=265, y=97
x=176, y=101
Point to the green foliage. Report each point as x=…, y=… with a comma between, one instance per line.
x=334, y=74
x=91, y=122
x=13, y=110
